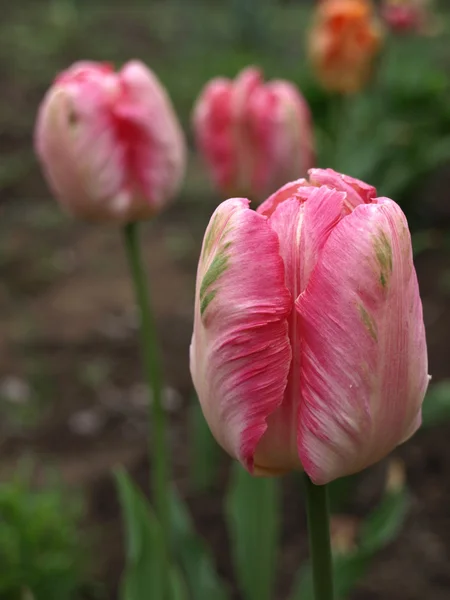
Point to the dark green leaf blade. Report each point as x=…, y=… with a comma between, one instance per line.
x=142, y=577
x=252, y=510
x=193, y=556
x=178, y=587
x=436, y=407
x=205, y=451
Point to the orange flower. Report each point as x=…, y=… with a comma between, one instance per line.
x=344, y=40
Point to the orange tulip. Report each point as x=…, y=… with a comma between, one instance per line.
x=343, y=43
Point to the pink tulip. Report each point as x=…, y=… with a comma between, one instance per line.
x=403, y=16
x=309, y=346
x=109, y=143
x=253, y=135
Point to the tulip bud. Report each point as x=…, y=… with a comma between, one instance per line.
x=253, y=135
x=109, y=143
x=343, y=43
x=309, y=350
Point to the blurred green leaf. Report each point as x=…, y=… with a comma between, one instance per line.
x=193, y=556
x=252, y=511
x=436, y=407
x=384, y=523
x=379, y=529
x=205, y=452
x=197, y=579
x=178, y=588
x=348, y=570
x=142, y=577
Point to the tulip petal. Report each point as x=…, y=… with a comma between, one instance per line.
x=302, y=229
x=279, y=125
x=357, y=191
x=364, y=361
x=147, y=125
x=213, y=129
x=240, y=351
x=289, y=190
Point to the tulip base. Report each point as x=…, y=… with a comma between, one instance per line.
x=159, y=452
x=317, y=508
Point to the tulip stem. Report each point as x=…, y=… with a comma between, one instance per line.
x=317, y=509
x=158, y=445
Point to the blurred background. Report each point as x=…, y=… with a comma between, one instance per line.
x=72, y=396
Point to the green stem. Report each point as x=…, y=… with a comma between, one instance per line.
x=159, y=459
x=319, y=539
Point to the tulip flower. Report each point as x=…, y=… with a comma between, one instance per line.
x=344, y=41
x=308, y=350
x=109, y=143
x=406, y=15
x=253, y=136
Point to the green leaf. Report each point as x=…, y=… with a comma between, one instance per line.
x=379, y=529
x=193, y=556
x=205, y=452
x=348, y=569
x=178, y=587
x=142, y=577
x=384, y=524
x=436, y=407
x=252, y=510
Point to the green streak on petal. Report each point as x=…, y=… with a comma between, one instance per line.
x=215, y=270
x=368, y=321
x=383, y=252
x=206, y=301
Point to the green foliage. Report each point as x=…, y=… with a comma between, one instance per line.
x=379, y=529
x=205, y=452
x=436, y=407
x=250, y=20
x=395, y=133
x=195, y=580
x=178, y=587
x=42, y=554
x=253, y=511
x=193, y=556
x=143, y=573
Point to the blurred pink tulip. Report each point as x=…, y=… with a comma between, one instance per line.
x=309, y=346
x=400, y=18
x=405, y=16
x=110, y=143
x=253, y=135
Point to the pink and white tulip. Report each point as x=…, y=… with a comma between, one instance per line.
x=309, y=348
x=110, y=143
x=253, y=136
